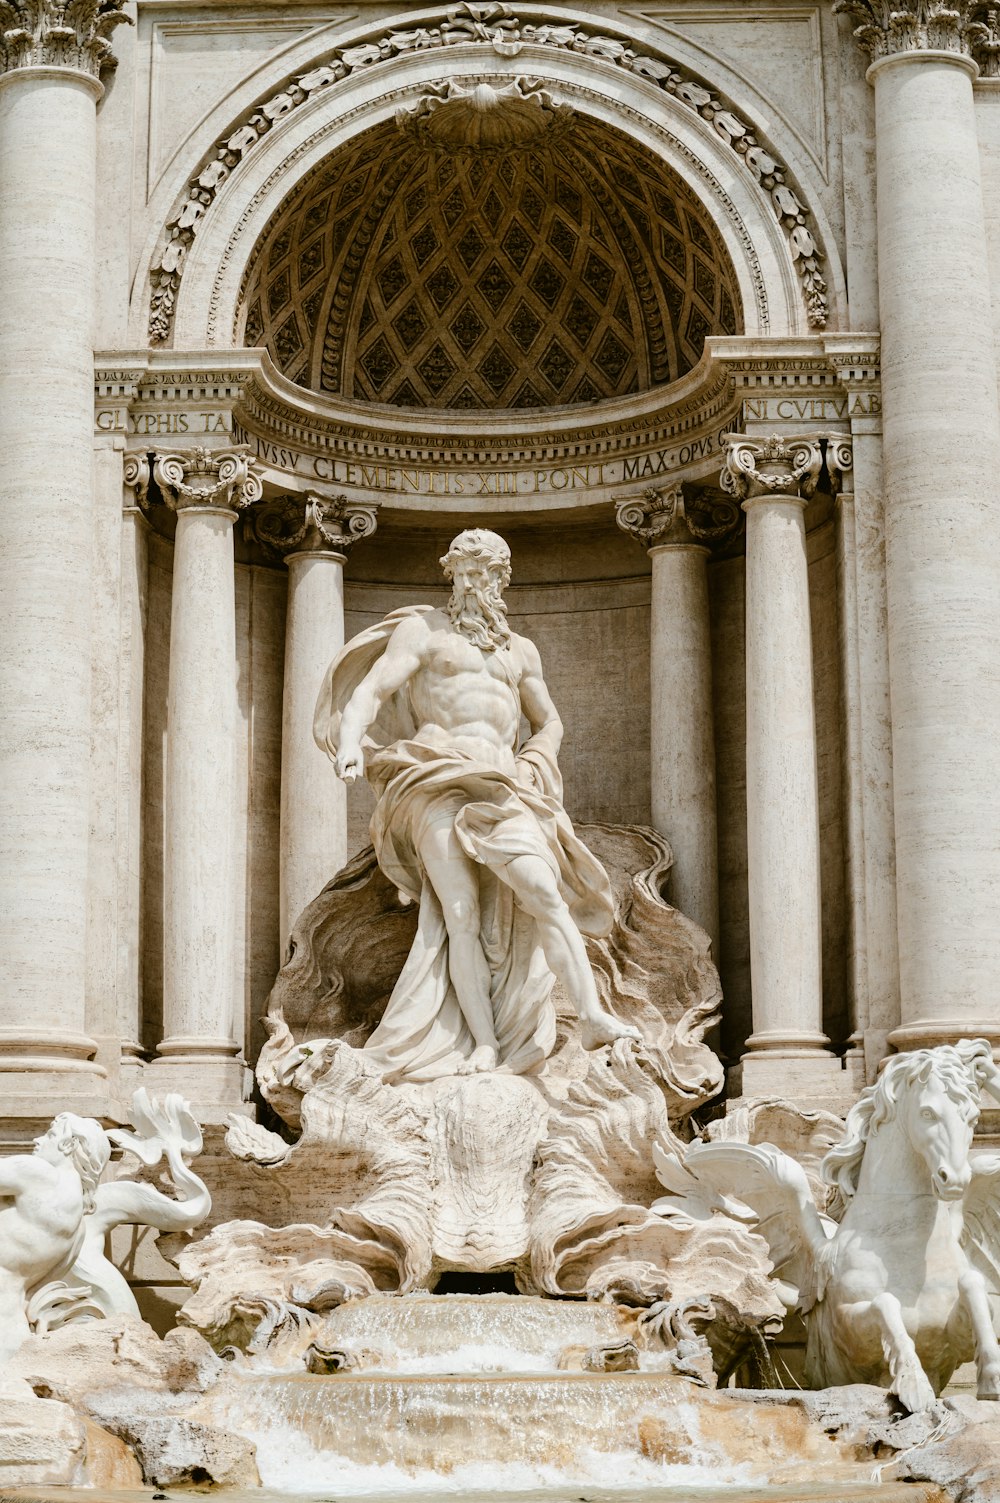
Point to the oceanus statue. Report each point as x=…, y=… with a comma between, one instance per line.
x=906, y=1285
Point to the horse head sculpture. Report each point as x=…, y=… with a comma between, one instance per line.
x=901, y=1289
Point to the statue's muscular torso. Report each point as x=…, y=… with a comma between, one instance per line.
x=466, y=698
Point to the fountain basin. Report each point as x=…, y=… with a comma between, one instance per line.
x=475, y=1333
x=314, y=1432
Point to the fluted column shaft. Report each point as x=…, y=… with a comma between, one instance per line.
x=47, y=271
x=201, y=1038
x=314, y=535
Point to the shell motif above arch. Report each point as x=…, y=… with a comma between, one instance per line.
x=573, y=267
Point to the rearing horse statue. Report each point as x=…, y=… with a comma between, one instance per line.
x=899, y=1293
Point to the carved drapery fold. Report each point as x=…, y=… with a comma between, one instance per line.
x=771, y=467
x=311, y=524
x=43, y=34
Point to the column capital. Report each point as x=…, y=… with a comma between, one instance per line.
x=785, y=469
x=312, y=524
x=220, y=478
x=840, y=464
x=660, y=517
x=966, y=28
x=45, y=34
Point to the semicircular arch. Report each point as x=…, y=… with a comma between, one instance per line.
x=743, y=187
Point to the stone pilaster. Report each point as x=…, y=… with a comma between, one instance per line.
x=50, y=56
x=788, y=1050
x=682, y=752
x=314, y=535
x=941, y=432
x=202, y=1024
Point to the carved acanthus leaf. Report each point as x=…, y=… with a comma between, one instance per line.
x=311, y=524
x=662, y=517
x=41, y=33
x=885, y=27
x=771, y=466
x=207, y=477
x=495, y=26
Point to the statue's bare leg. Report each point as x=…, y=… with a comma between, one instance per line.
x=455, y=881
x=972, y=1288
x=537, y=892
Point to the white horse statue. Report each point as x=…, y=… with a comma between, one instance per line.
x=899, y=1293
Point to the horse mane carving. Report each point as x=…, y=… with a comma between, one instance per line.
x=960, y=1069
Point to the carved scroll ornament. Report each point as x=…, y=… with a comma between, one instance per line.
x=771, y=467
x=660, y=517
x=314, y=524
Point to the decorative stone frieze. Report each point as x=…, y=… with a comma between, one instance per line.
x=43, y=34
x=311, y=524
x=964, y=26
x=206, y=477
x=771, y=467
x=457, y=118
x=505, y=33
x=660, y=517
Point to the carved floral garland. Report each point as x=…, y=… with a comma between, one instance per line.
x=495, y=25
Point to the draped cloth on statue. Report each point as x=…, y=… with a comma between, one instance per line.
x=423, y=1034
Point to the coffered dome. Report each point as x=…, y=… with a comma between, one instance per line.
x=572, y=268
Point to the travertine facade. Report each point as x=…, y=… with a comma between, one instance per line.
x=292, y=294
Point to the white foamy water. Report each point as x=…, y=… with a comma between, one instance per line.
x=289, y=1463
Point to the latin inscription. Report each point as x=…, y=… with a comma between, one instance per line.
x=812, y=409
x=407, y=480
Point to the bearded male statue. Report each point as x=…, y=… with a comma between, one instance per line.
x=469, y=823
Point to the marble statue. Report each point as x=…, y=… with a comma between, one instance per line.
x=906, y=1285
x=55, y=1214
x=469, y=824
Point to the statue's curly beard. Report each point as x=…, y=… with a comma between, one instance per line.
x=481, y=616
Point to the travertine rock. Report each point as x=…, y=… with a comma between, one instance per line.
x=177, y=1452
x=42, y=1442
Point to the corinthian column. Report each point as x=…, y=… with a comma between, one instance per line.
x=50, y=60
x=314, y=535
x=941, y=434
x=198, y=1053
x=788, y=1050
x=682, y=749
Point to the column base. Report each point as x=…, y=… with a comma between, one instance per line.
x=811, y=1079
x=928, y=1033
x=44, y=1071
x=206, y=1073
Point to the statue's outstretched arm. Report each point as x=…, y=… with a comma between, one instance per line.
x=398, y=664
